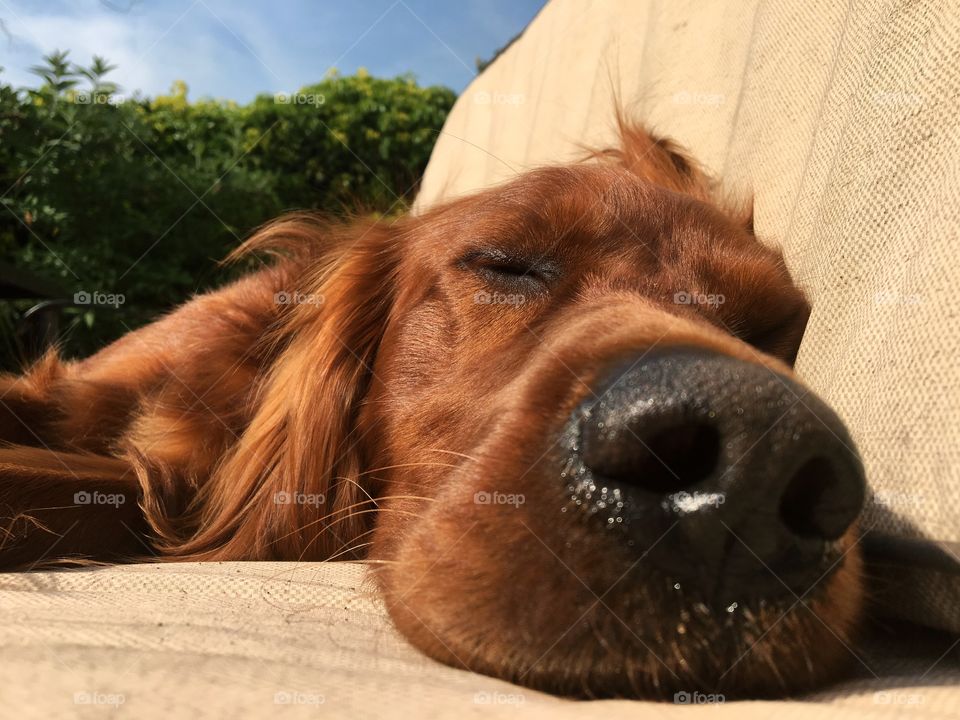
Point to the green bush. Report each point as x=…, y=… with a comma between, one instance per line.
x=141, y=197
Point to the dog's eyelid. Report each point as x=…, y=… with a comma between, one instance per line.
x=501, y=262
x=490, y=256
x=774, y=340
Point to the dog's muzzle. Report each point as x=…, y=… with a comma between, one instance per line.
x=732, y=479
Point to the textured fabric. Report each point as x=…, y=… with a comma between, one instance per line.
x=230, y=640
x=842, y=120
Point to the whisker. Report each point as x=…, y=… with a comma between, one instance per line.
x=361, y=488
x=403, y=465
x=344, y=547
x=349, y=549
x=352, y=515
x=453, y=452
x=370, y=561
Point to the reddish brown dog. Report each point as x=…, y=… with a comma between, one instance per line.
x=559, y=415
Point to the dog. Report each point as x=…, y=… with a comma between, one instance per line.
x=558, y=418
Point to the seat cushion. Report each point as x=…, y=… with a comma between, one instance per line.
x=216, y=640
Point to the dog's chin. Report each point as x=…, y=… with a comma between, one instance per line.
x=512, y=598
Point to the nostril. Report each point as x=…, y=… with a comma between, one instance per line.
x=815, y=502
x=680, y=457
x=667, y=460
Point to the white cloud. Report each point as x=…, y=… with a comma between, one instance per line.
x=150, y=50
x=112, y=37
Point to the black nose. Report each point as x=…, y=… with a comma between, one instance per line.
x=730, y=476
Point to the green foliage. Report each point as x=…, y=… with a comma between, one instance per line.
x=141, y=197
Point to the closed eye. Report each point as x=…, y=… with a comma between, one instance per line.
x=501, y=267
x=783, y=339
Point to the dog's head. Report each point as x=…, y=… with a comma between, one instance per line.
x=571, y=401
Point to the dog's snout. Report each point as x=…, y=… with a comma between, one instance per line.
x=724, y=471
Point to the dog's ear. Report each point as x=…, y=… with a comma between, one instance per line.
x=291, y=487
x=67, y=508
x=662, y=162
x=655, y=159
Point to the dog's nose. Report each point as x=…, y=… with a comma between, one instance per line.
x=730, y=476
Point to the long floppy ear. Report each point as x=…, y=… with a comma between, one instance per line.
x=291, y=487
x=67, y=508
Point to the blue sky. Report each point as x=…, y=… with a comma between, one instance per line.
x=238, y=48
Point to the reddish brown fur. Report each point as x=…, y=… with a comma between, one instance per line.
x=395, y=396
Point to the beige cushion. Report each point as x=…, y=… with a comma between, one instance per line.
x=843, y=122
x=236, y=640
